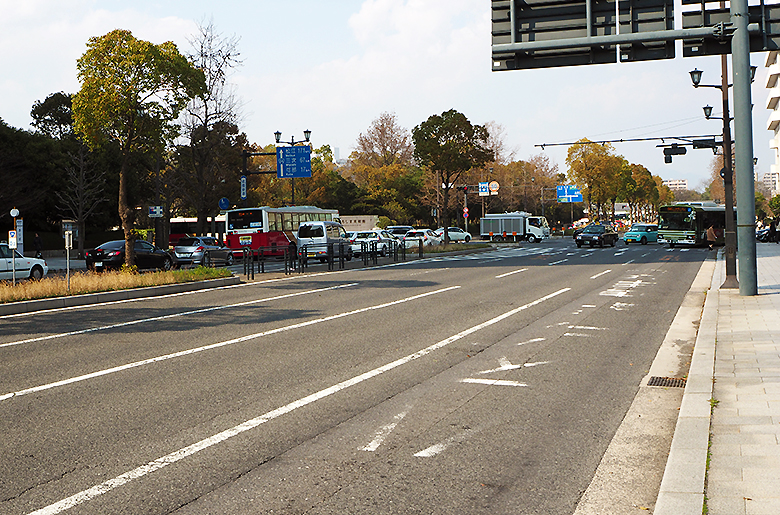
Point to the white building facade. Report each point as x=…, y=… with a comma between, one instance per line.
x=771, y=179
x=676, y=184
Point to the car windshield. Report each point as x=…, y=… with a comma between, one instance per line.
x=594, y=229
x=638, y=228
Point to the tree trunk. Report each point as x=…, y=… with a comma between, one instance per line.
x=126, y=213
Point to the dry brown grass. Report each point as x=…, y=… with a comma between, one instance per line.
x=89, y=282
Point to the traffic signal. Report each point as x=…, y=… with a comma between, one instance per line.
x=674, y=150
x=465, y=189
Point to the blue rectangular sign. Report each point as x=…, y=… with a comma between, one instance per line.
x=568, y=193
x=293, y=162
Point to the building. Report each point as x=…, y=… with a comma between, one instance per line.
x=676, y=184
x=770, y=178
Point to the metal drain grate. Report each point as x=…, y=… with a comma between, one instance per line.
x=674, y=382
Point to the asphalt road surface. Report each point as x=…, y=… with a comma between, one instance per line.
x=488, y=383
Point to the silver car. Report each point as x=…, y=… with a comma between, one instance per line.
x=202, y=250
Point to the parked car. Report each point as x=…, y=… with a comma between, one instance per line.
x=399, y=230
x=427, y=236
x=21, y=267
x=384, y=241
x=317, y=237
x=454, y=233
x=192, y=250
x=112, y=255
x=641, y=233
x=597, y=234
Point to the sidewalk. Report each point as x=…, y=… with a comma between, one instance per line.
x=732, y=403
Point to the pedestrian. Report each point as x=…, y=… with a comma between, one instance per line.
x=38, y=244
x=711, y=236
x=772, y=235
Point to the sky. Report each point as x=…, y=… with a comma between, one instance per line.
x=333, y=67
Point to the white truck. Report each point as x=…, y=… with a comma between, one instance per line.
x=515, y=226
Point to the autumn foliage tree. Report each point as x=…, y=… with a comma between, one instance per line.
x=131, y=93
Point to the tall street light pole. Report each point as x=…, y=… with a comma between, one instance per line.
x=278, y=136
x=727, y=171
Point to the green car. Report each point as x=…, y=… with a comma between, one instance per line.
x=642, y=233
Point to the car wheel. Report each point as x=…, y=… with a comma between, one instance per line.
x=36, y=273
x=671, y=245
x=643, y=241
x=383, y=252
x=467, y=239
x=614, y=242
x=532, y=239
x=229, y=259
x=579, y=245
x=167, y=264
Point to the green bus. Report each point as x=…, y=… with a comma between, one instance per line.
x=686, y=223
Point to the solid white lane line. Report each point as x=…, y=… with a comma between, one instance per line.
x=174, y=315
x=212, y=346
x=179, y=455
x=532, y=340
x=600, y=274
x=628, y=262
x=557, y=262
x=510, y=273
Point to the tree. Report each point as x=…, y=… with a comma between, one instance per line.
x=131, y=93
x=84, y=191
x=384, y=143
x=592, y=166
x=54, y=116
x=209, y=165
x=774, y=205
x=449, y=145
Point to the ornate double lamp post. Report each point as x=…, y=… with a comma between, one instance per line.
x=727, y=173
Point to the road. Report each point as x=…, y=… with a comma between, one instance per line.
x=487, y=383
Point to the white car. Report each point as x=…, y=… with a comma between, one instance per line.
x=384, y=241
x=426, y=236
x=454, y=233
x=25, y=267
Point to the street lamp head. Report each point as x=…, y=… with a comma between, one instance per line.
x=707, y=111
x=307, y=134
x=696, y=77
x=278, y=136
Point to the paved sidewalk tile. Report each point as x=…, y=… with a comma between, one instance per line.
x=744, y=471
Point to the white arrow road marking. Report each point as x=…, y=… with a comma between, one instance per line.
x=152, y=466
x=492, y=382
x=433, y=450
x=382, y=433
x=532, y=340
x=506, y=365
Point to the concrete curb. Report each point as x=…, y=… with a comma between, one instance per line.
x=682, y=488
x=15, y=308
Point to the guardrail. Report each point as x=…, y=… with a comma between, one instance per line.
x=338, y=253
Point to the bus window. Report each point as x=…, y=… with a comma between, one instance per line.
x=286, y=222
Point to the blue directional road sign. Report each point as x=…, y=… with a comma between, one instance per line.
x=568, y=193
x=293, y=162
x=483, y=189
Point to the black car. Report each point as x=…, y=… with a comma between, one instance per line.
x=112, y=255
x=597, y=234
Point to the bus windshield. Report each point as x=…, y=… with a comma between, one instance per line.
x=249, y=219
x=676, y=221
